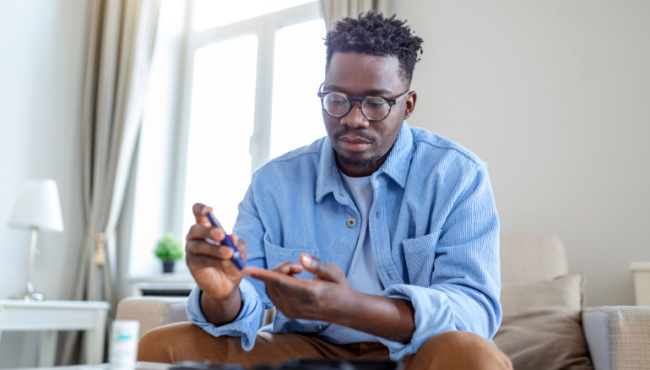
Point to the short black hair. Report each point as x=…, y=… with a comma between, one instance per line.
x=373, y=34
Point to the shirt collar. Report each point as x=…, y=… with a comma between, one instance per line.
x=396, y=165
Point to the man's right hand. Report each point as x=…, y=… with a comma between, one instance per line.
x=212, y=268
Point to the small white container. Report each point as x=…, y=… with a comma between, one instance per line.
x=124, y=344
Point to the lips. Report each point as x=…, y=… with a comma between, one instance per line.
x=354, y=144
x=354, y=140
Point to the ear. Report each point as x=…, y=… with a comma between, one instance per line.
x=410, y=104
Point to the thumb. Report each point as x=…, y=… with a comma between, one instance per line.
x=322, y=269
x=240, y=243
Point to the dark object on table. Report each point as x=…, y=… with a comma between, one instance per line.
x=168, y=267
x=315, y=364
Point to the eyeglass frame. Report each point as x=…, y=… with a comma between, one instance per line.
x=351, y=100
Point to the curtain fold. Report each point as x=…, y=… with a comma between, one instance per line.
x=121, y=39
x=334, y=10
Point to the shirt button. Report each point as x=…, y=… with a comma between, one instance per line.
x=319, y=327
x=352, y=222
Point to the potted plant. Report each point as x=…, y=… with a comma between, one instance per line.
x=169, y=250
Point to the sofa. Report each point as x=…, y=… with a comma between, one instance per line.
x=537, y=289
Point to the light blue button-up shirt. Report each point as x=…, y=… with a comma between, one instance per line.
x=433, y=226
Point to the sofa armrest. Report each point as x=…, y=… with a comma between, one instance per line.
x=152, y=312
x=618, y=336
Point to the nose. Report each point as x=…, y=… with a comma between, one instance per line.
x=354, y=118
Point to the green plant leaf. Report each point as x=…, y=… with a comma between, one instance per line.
x=169, y=248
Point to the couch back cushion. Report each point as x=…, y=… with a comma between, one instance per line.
x=531, y=257
x=541, y=324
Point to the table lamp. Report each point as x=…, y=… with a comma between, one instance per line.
x=38, y=208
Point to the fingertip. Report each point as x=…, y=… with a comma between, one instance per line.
x=225, y=252
x=197, y=209
x=306, y=259
x=217, y=234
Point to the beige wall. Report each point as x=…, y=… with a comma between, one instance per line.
x=555, y=97
x=41, y=68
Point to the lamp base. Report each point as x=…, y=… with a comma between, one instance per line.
x=31, y=294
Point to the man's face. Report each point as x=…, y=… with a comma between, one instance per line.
x=362, y=145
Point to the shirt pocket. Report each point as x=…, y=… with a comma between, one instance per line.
x=276, y=255
x=420, y=254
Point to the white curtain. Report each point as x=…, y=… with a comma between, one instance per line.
x=334, y=10
x=121, y=38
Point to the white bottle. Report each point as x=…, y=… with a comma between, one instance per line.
x=124, y=344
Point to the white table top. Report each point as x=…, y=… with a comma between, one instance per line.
x=18, y=303
x=163, y=278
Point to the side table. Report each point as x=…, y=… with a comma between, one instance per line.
x=641, y=273
x=50, y=316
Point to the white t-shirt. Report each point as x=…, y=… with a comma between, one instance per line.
x=362, y=275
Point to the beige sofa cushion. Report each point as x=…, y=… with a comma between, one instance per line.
x=541, y=324
x=152, y=312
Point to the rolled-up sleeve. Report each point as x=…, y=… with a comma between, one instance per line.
x=465, y=282
x=245, y=325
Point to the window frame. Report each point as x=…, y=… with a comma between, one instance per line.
x=264, y=27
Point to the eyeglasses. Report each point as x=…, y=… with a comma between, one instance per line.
x=374, y=108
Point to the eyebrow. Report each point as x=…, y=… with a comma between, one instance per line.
x=365, y=93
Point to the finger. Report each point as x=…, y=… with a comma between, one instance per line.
x=280, y=285
x=200, y=211
x=195, y=261
x=261, y=274
x=209, y=249
x=289, y=268
x=269, y=276
x=322, y=269
x=202, y=232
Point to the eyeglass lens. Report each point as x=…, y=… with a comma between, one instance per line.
x=338, y=105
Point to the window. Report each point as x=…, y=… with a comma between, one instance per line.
x=211, y=13
x=249, y=74
x=250, y=95
x=296, y=119
x=221, y=124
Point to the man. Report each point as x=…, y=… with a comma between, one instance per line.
x=377, y=241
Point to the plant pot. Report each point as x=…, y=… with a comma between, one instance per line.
x=168, y=267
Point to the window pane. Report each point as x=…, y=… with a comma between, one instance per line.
x=298, y=72
x=221, y=124
x=215, y=13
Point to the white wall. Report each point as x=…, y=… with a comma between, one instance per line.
x=555, y=97
x=42, y=45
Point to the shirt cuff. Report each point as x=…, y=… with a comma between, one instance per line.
x=245, y=325
x=433, y=315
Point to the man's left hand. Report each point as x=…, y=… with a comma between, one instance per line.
x=322, y=299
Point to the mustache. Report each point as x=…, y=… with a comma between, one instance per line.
x=355, y=133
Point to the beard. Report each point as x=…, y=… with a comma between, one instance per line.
x=356, y=163
x=360, y=164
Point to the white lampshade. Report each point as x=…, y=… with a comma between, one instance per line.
x=38, y=206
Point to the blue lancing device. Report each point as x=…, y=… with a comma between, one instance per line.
x=236, y=257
